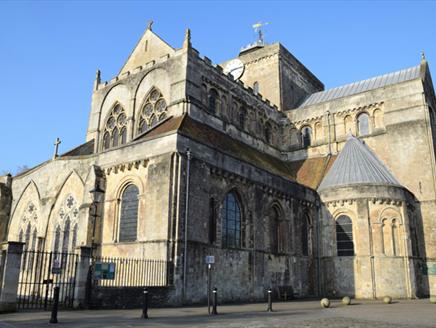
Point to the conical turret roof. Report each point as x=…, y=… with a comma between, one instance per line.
x=357, y=164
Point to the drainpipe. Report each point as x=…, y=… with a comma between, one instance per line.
x=185, y=250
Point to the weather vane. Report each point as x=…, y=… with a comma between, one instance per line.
x=258, y=29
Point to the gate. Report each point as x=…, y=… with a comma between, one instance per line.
x=40, y=271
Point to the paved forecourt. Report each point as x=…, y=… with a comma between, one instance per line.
x=405, y=313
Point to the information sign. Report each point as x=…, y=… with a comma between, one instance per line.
x=210, y=259
x=104, y=270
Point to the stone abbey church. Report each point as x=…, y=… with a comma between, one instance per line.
x=327, y=192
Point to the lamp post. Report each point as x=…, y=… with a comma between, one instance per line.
x=96, y=193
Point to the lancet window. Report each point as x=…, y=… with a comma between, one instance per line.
x=129, y=214
x=363, y=124
x=115, y=129
x=306, y=136
x=153, y=111
x=231, y=216
x=28, y=234
x=344, y=236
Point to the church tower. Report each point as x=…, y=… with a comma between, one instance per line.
x=272, y=71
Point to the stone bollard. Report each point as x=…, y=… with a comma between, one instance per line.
x=433, y=299
x=346, y=300
x=54, y=309
x=325, y=303
x=215, y=301
x=145, y=305
x=269, y=309
x=387, y=300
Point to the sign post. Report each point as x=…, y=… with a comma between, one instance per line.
x=210, y=259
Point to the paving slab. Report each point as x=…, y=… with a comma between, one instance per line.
x=298, y=314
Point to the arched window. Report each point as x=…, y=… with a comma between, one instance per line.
x=274, y=218
x=116, y=122
x=153, y=111
x=318, y=131
x=57, y=239
x=231, y=214
x=27, y=240
x=256, y=87
x=224, y=109
x=395, y=238
x=306, y=136
x=212, y=103
x=344, y=236
x=242, y=118
x=378, y=118
x=129, y=214
x=363, y=124
x=74, y=239
x=348, y=124
x=268, y=133
x=66, y=237
x=306, y=236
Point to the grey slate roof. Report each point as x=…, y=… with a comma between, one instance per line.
x=362, y=86
x=357, y=164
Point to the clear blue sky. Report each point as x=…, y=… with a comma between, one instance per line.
x=49, y=52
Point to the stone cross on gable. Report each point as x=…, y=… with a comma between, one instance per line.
x=56, y=144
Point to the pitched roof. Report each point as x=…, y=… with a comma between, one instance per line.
x=311, y=171
x=362, y=86
x=357, y=164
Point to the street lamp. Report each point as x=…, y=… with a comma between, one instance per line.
x=97, y=194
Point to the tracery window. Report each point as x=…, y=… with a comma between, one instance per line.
x=115, y=130
x=344, y=236
x=28, y=234
x=66, y=226
x=306, y=136
x=363, y=124
x=231, y=215
x=153, y=111
x=129, y=214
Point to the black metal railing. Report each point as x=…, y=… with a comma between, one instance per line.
x=40, y=271
x=131, y=272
